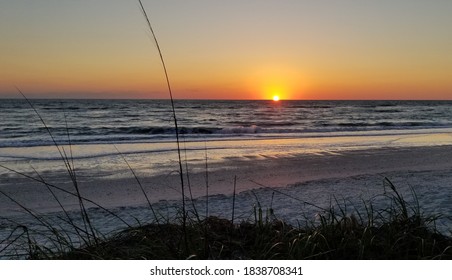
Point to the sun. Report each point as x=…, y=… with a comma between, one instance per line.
x=275, y=97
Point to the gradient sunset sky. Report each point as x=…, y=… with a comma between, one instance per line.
x=231, y=49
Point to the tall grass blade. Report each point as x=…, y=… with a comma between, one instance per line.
x=139, y=183
x=399, y=199
x=187, y=173
x=67, y=192
x=207, y=182
x=69, y=220
x=69, y=168
x=184, y=214
x=233, y=199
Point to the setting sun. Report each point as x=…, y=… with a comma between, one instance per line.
x=275, y=98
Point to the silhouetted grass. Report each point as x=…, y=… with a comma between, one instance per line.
x=176, y=126
x=398, y=231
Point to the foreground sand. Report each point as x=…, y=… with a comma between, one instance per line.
x=284, y=183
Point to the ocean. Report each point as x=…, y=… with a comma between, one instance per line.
x=94, y=132
x=146, y=121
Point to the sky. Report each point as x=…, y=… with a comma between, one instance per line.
x=235, y=49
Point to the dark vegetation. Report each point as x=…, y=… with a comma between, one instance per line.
x=396, y=232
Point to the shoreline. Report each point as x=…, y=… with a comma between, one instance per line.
x=252, y=172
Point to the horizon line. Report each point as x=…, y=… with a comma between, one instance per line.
x=215, y=99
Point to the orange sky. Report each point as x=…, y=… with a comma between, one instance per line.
x=228, y=49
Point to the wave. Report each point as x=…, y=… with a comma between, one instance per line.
x=227, y=133
x=398, y=125
x=158, y=130
x=241, y=129
x=387, y=111
x=153, y=130
x=129, y=121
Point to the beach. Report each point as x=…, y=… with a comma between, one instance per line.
x=293, y=165
x=289, y=182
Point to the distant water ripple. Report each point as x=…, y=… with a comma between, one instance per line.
x=119, y=121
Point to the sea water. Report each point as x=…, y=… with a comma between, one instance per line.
x=131, y=121
x=95, y=130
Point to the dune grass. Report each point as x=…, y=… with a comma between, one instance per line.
x=397, y=231
x=388, y=235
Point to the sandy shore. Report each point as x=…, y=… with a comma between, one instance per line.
x=427, y=167
x=295, y=186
